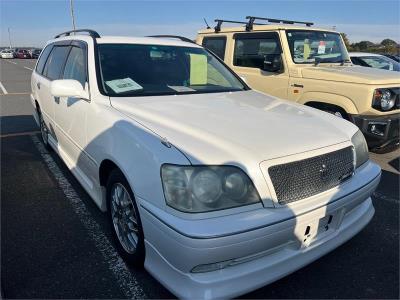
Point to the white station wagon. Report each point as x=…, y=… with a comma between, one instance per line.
x=215, y=188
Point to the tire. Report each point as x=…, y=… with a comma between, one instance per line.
x=123, y=215
x=44, y=132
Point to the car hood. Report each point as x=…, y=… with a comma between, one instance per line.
x=352, y=74
x=228, y=128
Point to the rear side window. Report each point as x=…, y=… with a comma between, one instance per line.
x=43, y=58
x=55, y=62
x=251, y=50
x=75, y=67
x=216, y=45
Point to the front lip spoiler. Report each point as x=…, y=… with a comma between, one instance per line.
x=254, y=228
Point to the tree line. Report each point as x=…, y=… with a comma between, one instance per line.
x=386, y=46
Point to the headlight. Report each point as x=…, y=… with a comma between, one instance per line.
x=360, y=147
x=202, y=188
x=384, y=99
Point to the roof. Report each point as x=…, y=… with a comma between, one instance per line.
x=267, y=27
x=362, y=54
x=129, y=40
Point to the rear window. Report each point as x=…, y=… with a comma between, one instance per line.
x=55, y=62
x=42, y=60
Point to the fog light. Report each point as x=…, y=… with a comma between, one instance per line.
x=377, y=128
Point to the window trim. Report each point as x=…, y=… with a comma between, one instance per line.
x=255, y=35
x=45, y=62
x=215, y=37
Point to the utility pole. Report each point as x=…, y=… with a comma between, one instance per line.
x=9, y=37
x=71, y=4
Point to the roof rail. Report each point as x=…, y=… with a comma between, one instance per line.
x=182, y=38
x=92, y=33
x=270, y=20
x=217, y=28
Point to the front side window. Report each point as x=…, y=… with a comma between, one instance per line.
x=55, y=62
x=142, y=70
x=308, y=47
x=252, y=50
x=75, y=67
x=43, y=58
x=216, y=45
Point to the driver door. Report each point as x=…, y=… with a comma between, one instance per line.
x=251, y=52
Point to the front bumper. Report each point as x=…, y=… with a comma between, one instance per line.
x=263, y=254
x=379, y=131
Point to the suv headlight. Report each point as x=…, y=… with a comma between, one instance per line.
x=384, y=99
x=206, y=188
x=360, y=147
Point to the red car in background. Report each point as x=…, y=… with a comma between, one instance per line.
x=22, y=53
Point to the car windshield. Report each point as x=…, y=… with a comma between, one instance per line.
x=143, y=70
x=380, y=62
x=307, y=46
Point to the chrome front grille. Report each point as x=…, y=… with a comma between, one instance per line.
x=305, y=178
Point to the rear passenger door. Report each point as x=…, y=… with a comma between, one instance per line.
x=70, y=112
x=251, y=51
x=46, y=73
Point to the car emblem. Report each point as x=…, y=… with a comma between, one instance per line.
x=323, y=172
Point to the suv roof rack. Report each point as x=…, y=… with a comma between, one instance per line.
x=251, y=19
x=217, y=27
x=92, y=33
x=182, y=38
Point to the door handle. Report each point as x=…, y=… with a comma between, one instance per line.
x=38, y=85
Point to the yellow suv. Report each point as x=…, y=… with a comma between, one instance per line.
x=295, y=61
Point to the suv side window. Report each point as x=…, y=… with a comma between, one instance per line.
x=252, y=49
x=215, y=44
x=55, y=62
x=75, y=67
x=43, y=58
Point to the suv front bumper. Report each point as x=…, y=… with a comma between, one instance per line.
x=261, y=255
x=379, y=131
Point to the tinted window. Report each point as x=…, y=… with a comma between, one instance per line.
x=43, y=58
x=142, y=70
x=55, y=62
x=75, y=67
x=252, y=50
x=216, y=45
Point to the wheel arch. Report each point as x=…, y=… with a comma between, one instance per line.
x=332, y=100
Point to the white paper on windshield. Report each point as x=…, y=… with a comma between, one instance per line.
x=181, y=88
x=123, y=85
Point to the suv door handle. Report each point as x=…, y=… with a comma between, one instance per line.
x=38, y=85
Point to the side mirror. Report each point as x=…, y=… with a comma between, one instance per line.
x=68, y=88
x=273, y=63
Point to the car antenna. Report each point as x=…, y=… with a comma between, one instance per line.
x=205, y=21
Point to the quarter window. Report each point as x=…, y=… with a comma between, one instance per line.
x=75, y=67
x=251, y=50
x=43, y=58
x=55, y=62
x=216, y=45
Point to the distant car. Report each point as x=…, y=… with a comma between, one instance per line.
x=373, y=60
x=395, y=57
x=23, y=53
x=35, y=53
x=7, y=54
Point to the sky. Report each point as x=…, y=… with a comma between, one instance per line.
x=33, y=22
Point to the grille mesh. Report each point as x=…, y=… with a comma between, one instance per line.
x=304, y=178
